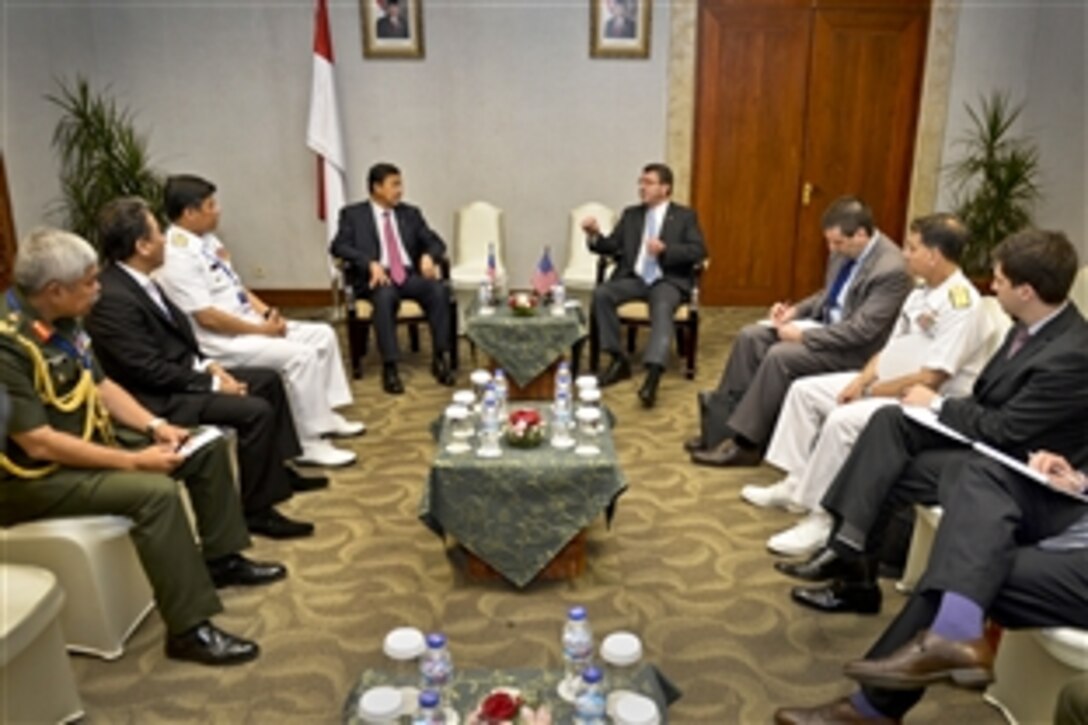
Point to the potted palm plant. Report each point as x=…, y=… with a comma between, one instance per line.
x=995, y=184
x=102, y=156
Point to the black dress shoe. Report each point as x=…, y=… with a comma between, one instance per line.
x=839, y=597
x=274, y=525
x=235, y=569
x=926, y=660
x=618, y=369
x=826, y=564
x=209, y=645
x=440, y=368
x=302, y=484
x=695, y=443
x=391, y=380
x=727, y=453
x=648, y=392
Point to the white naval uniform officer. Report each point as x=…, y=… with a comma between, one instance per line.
x=235, y=327
x=940, y=341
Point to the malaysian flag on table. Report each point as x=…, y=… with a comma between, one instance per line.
x=544, y=276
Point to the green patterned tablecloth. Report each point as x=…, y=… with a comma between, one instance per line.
x=518, y=511
x=525, y=346
x=537, y=687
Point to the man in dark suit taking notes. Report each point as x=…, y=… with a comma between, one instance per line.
x=656, y=245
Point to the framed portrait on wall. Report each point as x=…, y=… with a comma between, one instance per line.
x=619, y=28
x=392, y=28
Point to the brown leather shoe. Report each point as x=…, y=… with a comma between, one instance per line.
x=926, y=660
x=830, y=713
x=727, y=453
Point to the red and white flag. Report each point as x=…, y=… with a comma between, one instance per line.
x=323, y=131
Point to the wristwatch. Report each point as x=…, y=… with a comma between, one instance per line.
x=936, y=404
x=153, y=424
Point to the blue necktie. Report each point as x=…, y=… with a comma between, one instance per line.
x=650, y=270
x=836, y=286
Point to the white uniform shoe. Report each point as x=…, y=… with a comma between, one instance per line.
x=775, y=496
x=345, y=428
x=805, y=538
x=323, y=453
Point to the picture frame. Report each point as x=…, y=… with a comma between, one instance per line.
x=619, y=28
x=392, y=28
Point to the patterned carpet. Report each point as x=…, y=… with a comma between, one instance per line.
x=683, y=565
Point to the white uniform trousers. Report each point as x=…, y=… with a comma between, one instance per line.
x=814, y=434
x=309, y=360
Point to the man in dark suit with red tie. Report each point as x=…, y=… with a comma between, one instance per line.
x=655, y=245
x=146, y=344
x=394, y=255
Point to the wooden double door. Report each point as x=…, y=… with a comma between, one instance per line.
x=799, y=102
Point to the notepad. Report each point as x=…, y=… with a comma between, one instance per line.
x=202, y=438
x=926, y=417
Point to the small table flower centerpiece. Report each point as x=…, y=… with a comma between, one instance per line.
x=523, y=304
x=524, y=428
x=505, y=706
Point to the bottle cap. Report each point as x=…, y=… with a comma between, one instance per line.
x=403, y=643
x=436, y=640
x=576, y=614
x=591, y=675
x=380, y=704
x=621, y=649
x=429, y=698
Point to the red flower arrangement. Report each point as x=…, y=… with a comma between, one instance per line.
x=503, y=706
x=523, y=304
x=524, y=428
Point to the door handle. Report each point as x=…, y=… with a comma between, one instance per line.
x=806, y=193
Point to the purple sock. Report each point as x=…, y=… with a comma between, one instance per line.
x=958, y=618
x=864, y=707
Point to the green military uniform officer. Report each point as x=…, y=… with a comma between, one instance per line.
x=65, y=457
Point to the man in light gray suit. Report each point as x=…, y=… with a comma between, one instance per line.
x=837, y=328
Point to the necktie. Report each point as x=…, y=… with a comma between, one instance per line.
x=155, y=293
x=392, y=251
x=1018, y=340
x=650, y=269
x=838, y=284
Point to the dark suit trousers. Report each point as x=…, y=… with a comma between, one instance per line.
x=266, y=433
x=755, y=381
x=431, y=296
x=985, y=550
x=663, y=299
x=894, y=463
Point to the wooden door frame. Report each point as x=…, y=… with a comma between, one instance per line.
x=8, y=241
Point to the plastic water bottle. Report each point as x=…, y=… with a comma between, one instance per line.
x=436, y=664
x=430, y=710
x=489, y=426
x=577, y=643
x=561, y=421
x=502, y=391
x=590, y=703
x=562, y=378
x=485, y=294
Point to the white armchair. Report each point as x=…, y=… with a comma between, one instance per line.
x=476, y=225
x=1079, y=293
x=580, y=275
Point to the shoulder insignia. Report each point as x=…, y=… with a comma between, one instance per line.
x=959, y=296
x=178, y=239
x=6, y=328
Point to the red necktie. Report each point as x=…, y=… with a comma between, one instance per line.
x=392, y=251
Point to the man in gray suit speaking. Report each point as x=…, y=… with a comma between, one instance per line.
x=837, y=328
x=656, y=246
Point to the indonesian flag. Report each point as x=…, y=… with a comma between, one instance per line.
x=323, y=132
